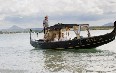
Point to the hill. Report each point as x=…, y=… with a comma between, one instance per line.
x=108, y=24
x=14, y=27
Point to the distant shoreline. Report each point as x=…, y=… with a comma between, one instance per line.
x=91, y=28
x=100, y=27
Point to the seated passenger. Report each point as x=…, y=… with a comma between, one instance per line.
x=56, y=38
x=62, y=38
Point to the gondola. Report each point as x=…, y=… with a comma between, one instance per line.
x=76, y=43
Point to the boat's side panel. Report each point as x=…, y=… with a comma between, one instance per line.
x=60, y=44
x=97, y=41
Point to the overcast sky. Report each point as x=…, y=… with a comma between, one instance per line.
x=30, y=13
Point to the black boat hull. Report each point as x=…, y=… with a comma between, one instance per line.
x=85, y=43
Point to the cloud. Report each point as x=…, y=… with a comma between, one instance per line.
x=30, y=11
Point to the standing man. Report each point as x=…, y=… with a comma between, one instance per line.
x=45, y=23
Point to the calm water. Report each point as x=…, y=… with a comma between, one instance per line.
x=18, y=56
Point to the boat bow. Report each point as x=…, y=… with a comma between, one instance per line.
x=115, y=28
x=114, y=31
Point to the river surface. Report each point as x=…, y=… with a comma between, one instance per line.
x=18, y=56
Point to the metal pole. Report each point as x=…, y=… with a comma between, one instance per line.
x=30, y=34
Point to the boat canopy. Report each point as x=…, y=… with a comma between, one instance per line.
x=62, y=26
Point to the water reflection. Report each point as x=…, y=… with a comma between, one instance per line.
x=67, y=60
x=93, y=50
x=54, y=60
